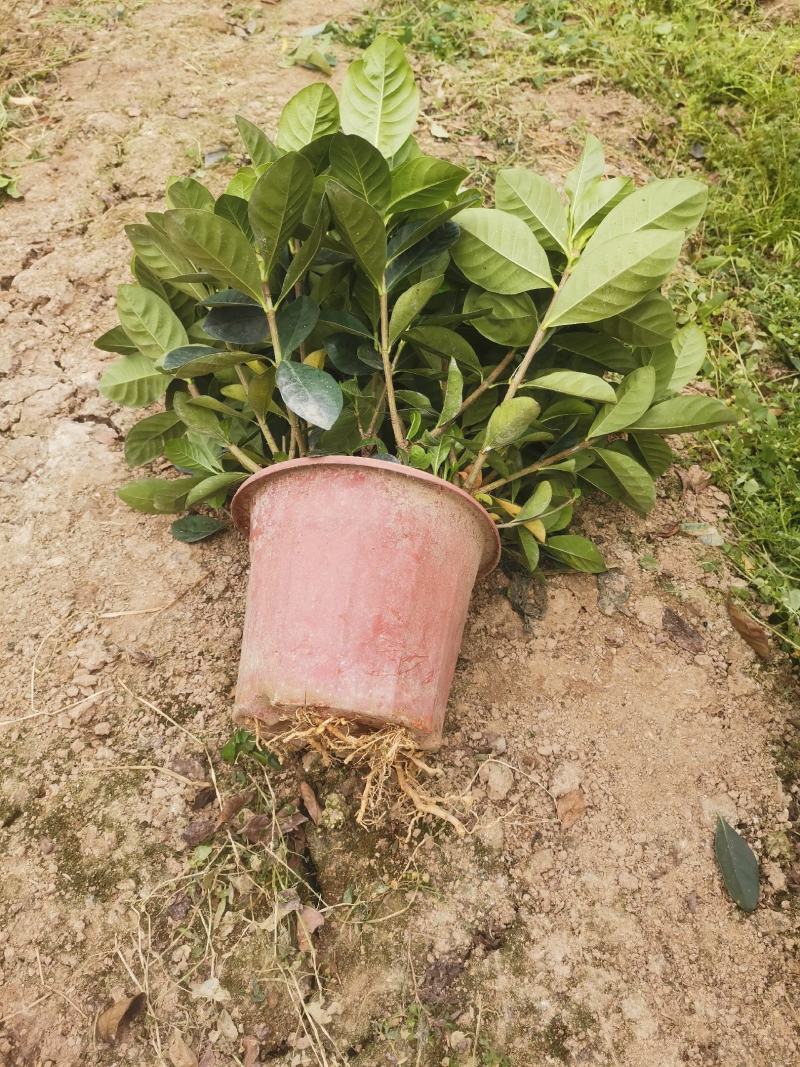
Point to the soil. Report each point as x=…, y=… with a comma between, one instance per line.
x=596, y=727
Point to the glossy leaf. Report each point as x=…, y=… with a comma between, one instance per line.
x=217, y=483
x=161, y=257
x=498, y=252
x=634, y=396
x=149, y=321
x=147, y=438
x=116, y=340
x=423, y=183
x=453, y=394
x=216, y=245
x=537, y=202
x=258, y=145
x=650, y=322
x=309, y=114
x=689, y=346
x=509, y=421
x=423, y=255
x=415, y=230
x=193, y=361
x=379, y=100
x=237, y=324
x=189, y=193
x=295, y=322
x=738, y=864
x=277, y=204
x=653, y=451
x=193, y=528
x=632, y=477
x=409, y=304
x=133, y=381
x=157, y=496
x=361, y=229
x=669, y=204
x=575, y=383
x=686, y=414
x=443, y=342
x=359, y=166
x=613, y=276
x=510, y=320
x=605, y=351
x=576, y=552
x=305, y=255
x=234, y=210
x=590, y=166
x=310, y=393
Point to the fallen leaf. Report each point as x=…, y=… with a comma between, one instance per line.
x=738, y=865
x=704, y=532
x=226, y=1026
x=115, y=1018
x=208, y=1059
x=682, y=633
x=199, y=830
x=438, y=131
x=232, y=806
x=180, y=1055
x=756, y=636
x=286, y=902
x=258, y=829
x=203, y=797
x=210, y=990
x=311, y=802
x=290, y=821
x=668, y=531
x=190, y=768
x=570, y=807
x=308, y=920
x=251, y=1049
x=179, y=908
x=694, y=480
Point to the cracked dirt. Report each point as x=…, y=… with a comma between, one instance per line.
x=524, y=943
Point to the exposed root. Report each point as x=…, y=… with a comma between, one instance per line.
x=387, y=755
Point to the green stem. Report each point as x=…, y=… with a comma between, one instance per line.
x=543, y=464
x=265, y=430
x=542, y=334
x=397, y=423
x=296, y=441
x=478, y=392
x=244, y=459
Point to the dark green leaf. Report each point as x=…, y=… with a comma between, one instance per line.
x=234, y=210
x=738, y=865
x=453, y=394
x=189, y=193
x=217, y=483
x=421, y=254
x=423, y=183
x=193, y=361
x=147, y=438
x=576, y=552
x=295, y=322
x=216, y=245
x=193, y=528
x=258, y=145
x=361, y=229
x=310, y=393
x=360, y=167
x=304, y=257
x=277, y=203
x=237, y=324
x=509, y=320
x=116, y=340
x=157, y=496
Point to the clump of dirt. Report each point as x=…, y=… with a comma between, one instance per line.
x=595, y=730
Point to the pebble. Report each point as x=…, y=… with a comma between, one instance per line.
x=498, y=778
x=628, y=881
x=566, y=778
x=103, y=729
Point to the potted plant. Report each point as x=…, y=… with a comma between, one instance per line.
x=389, y=375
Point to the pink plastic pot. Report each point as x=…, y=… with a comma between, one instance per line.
x=360, y=577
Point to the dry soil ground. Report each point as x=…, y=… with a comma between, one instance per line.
x=526, y=942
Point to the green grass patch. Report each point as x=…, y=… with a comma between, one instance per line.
x=726, y=77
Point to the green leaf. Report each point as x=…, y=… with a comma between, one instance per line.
x=216, y=245
x=738, y=865
x=344, y=322
x=116, y=340
x=650, y=322
x=589, y=167
x=148, y=438
x=576, y=552
x=259, y=392
x=443, y=342
x=416, y=230
x=379, y=100
x=295, y=322
x=234, y=210
x=686, y=414
x=190, y=194
x=669, y=204
x=310, y=393
x=244, y=181
x=157, y=496
x=309, y=114
x=149, y=321
x=599, y=349
x=197, y=416
x=194, y=454
x=133, y=381
x=162, y=258
x=192, y=528
x=509, y=421
x=662, y=360
x=277, y=203
x=217, y=483
x=409, y=304
x=613, y=276
x=510, y=320
x=453, y=393
x=652, y=450
x=258, y=145
x=597, y=199
x=360, y=167
x=537, y=202
x=361, y=229
x=575, y=383
x=427, y=255
x=423, y=183
x=634, y=396
x=632, y=477
x=193, y=361
x=537, y=503
x=498, y=252
x=689, y=346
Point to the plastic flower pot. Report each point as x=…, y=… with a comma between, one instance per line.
x=361, y=573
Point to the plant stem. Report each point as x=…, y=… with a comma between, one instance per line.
x=539, y=339
x=541, y=465
x=245, y=460
x=478, y=392
x=193, y=390
x=296, y=441
x=397, y=423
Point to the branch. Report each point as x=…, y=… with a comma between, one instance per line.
x=397, y=423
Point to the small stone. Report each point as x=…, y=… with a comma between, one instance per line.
x=460, y=1042
x=720, y=804
x=540, y=863
x=775, y=876
x=649, y=611
x=46, y=846
x=628, y=881
x=498, y=778
x=103, y=729
x=566, y=778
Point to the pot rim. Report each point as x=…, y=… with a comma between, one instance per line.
x=243, y=498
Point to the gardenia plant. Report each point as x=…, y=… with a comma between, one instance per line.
x=349, y=294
